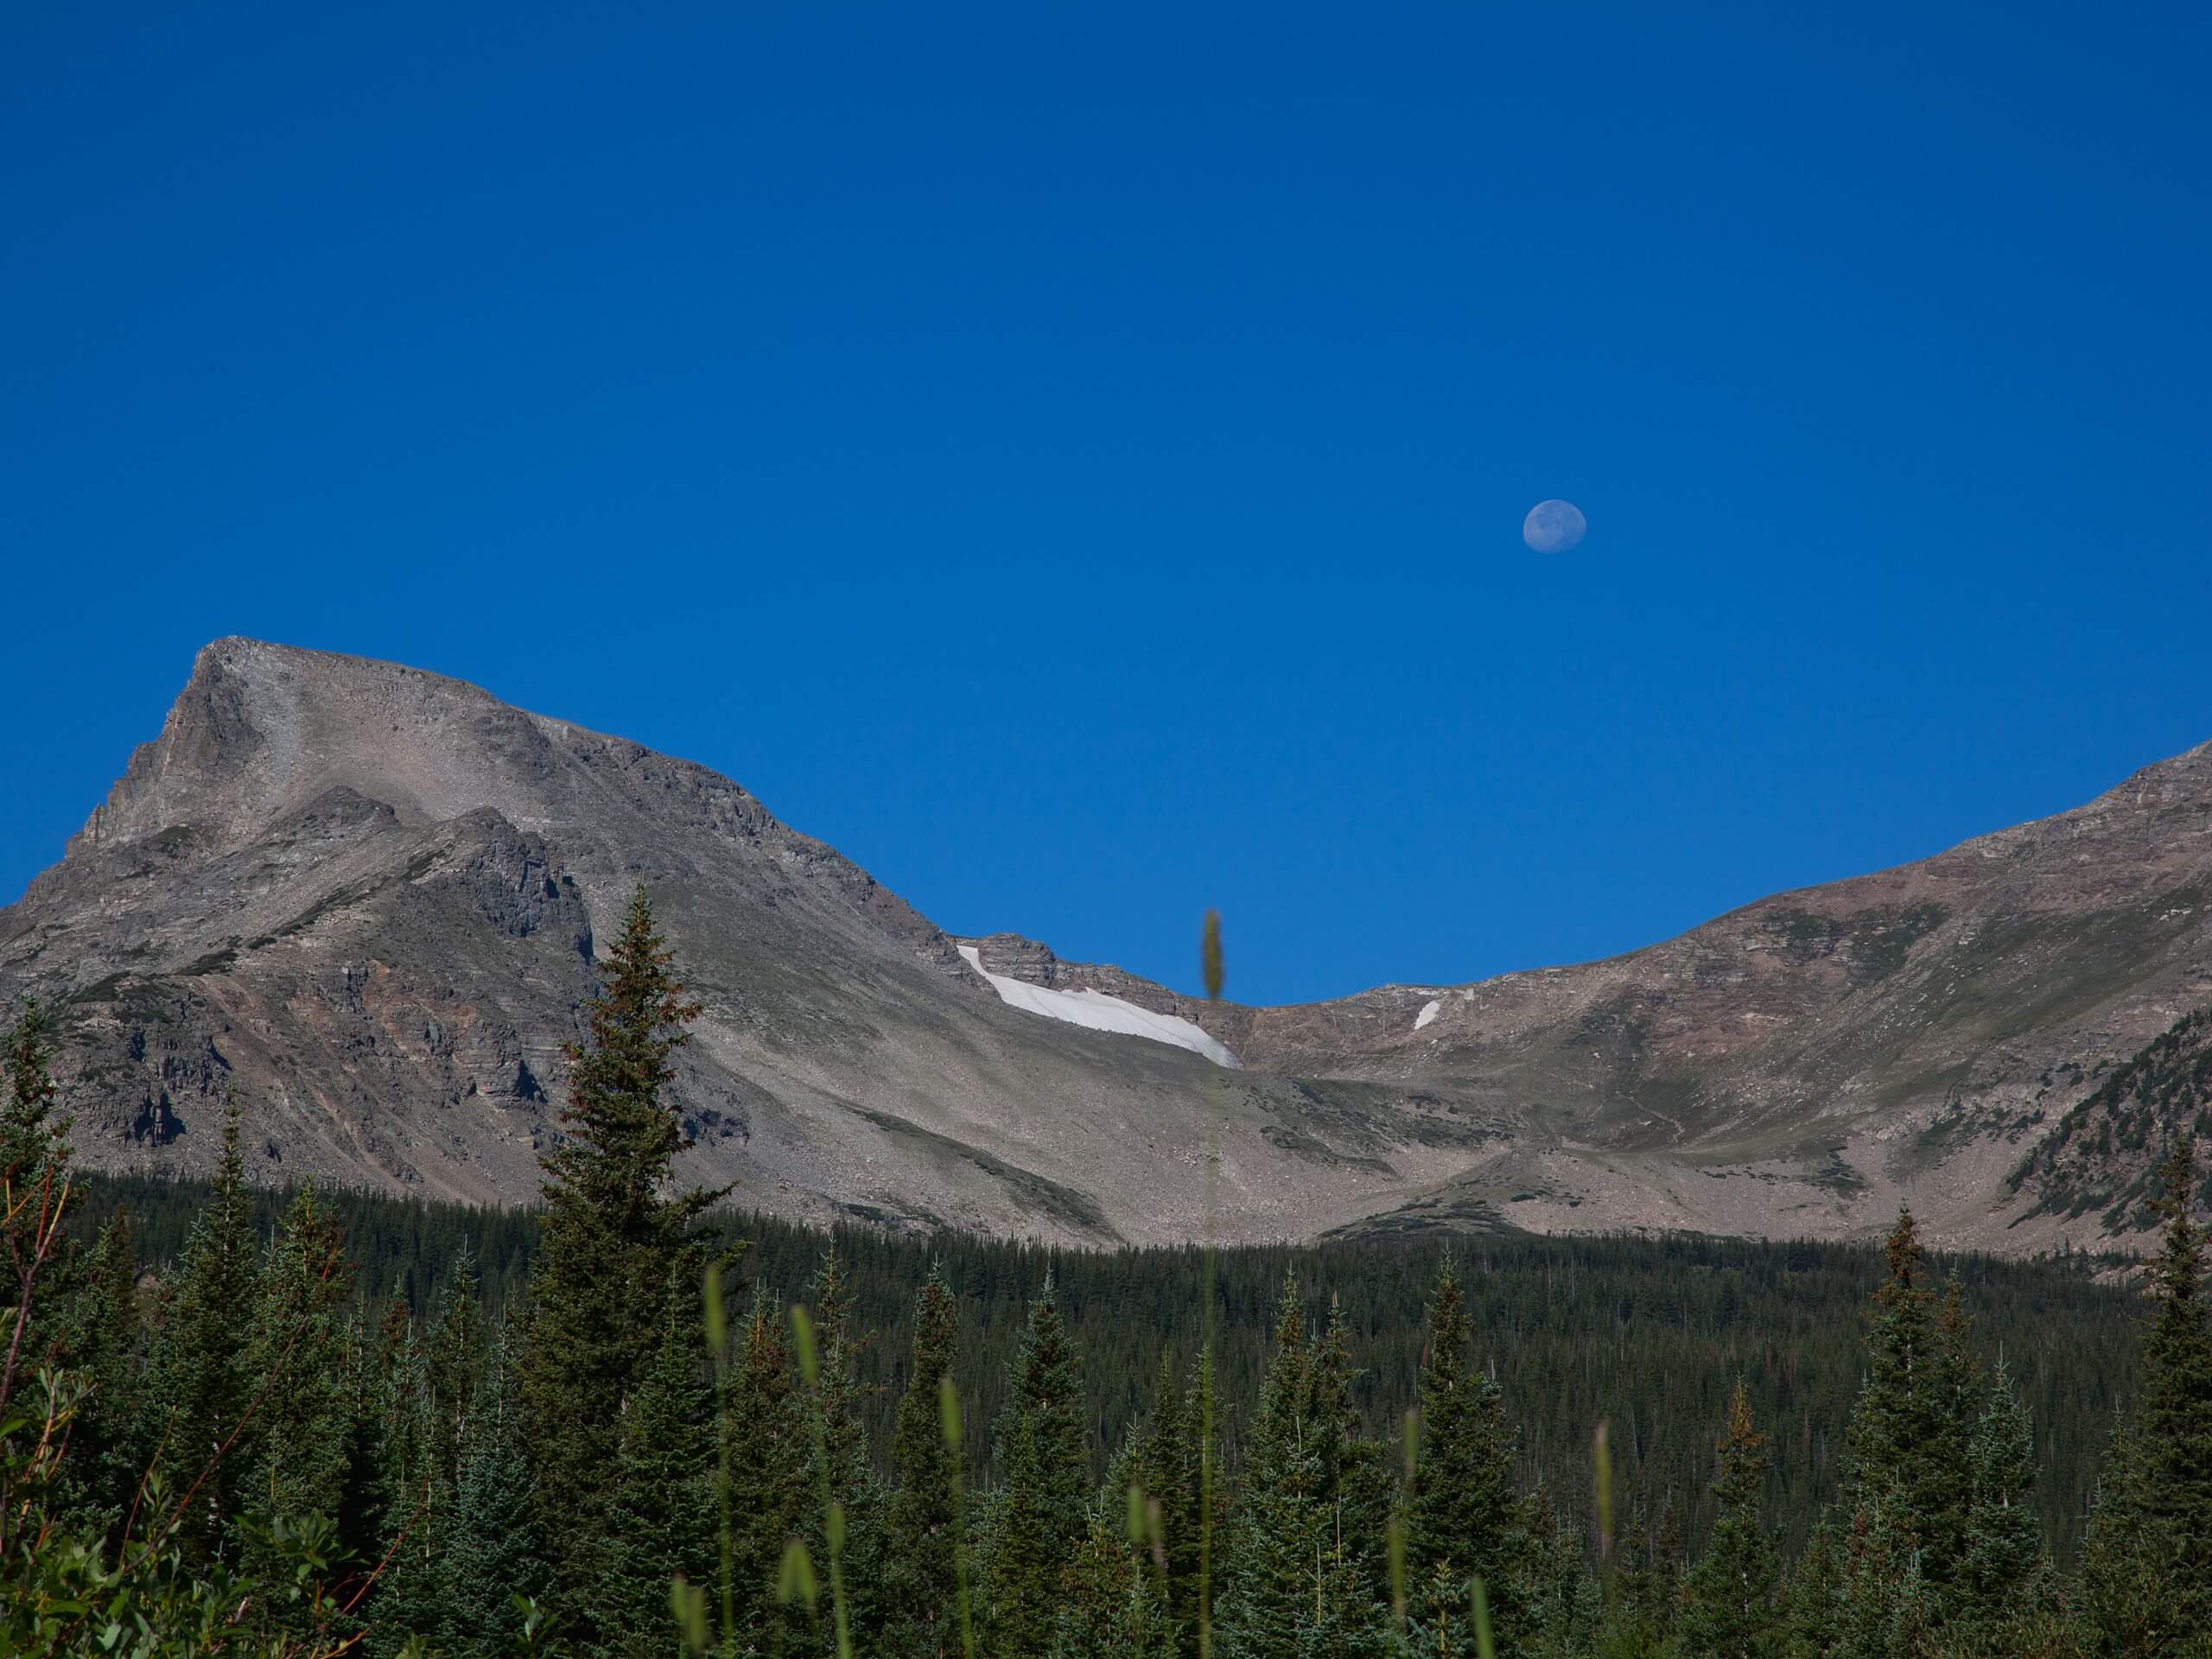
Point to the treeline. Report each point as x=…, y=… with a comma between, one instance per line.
x=1647, y=1335
x=292, y=1442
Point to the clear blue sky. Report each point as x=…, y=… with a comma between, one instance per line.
x=1073, y=461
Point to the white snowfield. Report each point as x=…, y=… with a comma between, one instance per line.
x=1101, y=1012
x=1429, y=1010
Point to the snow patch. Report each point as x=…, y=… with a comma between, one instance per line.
x=1429, y=1010
x=1096, y=1011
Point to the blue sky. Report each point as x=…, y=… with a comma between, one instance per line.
x=1073, y=461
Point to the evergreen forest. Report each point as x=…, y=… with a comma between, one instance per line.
x=636, y=1420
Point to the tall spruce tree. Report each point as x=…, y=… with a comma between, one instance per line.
x=1039, y=1513
x=1111, y=1608
x=1163, y=1467
x=1646, y=1588
x=2005, y=1576
x=1279, y=1531
x=770, y=1446
x=301, y=1437
x=921, y=1569
x=452, y=1363
x=1908, y=1480
x=200, y=1362
x=2147, y=1557
x=611, y=1243
x=839, y=1477
x=35, y=1156
x=1358, y=1492
x=107, y=1340
x=494, y=1552
x=407, y=1495
x=1729, y=1609
x=661, y=1510
x=1463, y=1518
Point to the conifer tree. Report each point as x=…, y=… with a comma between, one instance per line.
x=106, y=1340
x=1163, y=1467
x=451, y=1362
x=1908, y=1479
x=1728, y=1610
x=200, y=1362
x=1565, y=1608
x=1279, y=1533
x=921, y=1575
x=612, y=1242
x=1646, y=1585
x=2005, y=1576
x=395, y=1486
x=661, y=1511
x=1039, y=1515
x=300, y=1437
x=838, y=1473
x=1463, y=1518
x=35, y=1155
x=1358, y=1492
x=494, y=1551
x=770, y=1447
x=1110, y=1609
x=2147, y=1557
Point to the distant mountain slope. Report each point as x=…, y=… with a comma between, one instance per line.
x=366, y=898
x=2103, y=1154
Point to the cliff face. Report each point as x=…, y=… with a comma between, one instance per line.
x=366, y=898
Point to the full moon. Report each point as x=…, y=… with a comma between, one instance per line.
x=1553, y=526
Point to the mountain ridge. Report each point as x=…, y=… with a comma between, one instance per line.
x=367, y=897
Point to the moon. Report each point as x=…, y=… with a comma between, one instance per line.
x=1553, y=526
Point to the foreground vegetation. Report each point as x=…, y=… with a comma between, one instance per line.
x=599, y=1431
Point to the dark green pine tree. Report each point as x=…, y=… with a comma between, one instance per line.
x=1110, y=1609
x=1463, y=1518
x=611, y=1243
x=493, y=1552
x=1729, y=1610
x=1812, y=1597
x=770, y=1449
x=2147, y=1580
x=1566, y=1608
x=34, y=1154
x=108, y=1443
x=662, y=1509
x=1039, y=1513
x=838, y=1471
x=921, y=1579
x=1163, y=1465
x=200, y=1367
x=2004, y=1577
x=1908, y=1450
x=405, y=1433
x=1647, y=1589
x=300, y=1438
x=1279, y=1534
x=452, y=1363
x=1351, y=1615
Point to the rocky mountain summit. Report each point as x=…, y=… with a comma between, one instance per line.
x=365, y=900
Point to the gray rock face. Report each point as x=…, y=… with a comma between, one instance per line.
x=366, y=898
